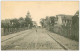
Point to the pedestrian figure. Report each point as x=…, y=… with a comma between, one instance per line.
x=36, y=30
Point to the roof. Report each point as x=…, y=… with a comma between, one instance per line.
x=68, y=17
x=60, y=15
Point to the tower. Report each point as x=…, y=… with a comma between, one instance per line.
x=28, y=15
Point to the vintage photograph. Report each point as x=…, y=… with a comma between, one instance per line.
x=40, y=25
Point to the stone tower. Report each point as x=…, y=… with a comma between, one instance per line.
x=28, y=15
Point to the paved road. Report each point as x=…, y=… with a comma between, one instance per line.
x=30, y=40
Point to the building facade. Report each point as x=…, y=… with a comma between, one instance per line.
x=64, y=19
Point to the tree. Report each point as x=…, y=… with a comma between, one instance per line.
x=28, y=21
x=15, y=23
x=52, y=22
x=42, y=22
x=48, y=22
x=22, y=22
x=75, y=26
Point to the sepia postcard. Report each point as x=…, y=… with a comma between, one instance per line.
x=40, y=25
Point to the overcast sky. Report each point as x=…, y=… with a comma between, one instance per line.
x=38, y=10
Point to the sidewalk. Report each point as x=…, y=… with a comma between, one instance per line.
x=71, y=44
x=12, y=35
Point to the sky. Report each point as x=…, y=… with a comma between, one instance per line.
x=37, y=9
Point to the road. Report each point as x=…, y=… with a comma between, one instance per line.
x=32, y=40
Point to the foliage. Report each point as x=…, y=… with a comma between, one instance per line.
x=48, y=22
x=42, y=22
x=22, y=22
x=17, y=23
x=75, y=27
x=28, y=22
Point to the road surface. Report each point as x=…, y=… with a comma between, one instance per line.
x=37, y=40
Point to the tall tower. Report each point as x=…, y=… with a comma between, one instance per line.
x=28, y=15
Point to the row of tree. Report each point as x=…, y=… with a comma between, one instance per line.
x=17, y=23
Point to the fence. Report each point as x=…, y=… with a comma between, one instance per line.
x=66, y=32
x=7, y=31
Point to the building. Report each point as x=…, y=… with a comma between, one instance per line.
x=63, y=24
x=63, y=19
